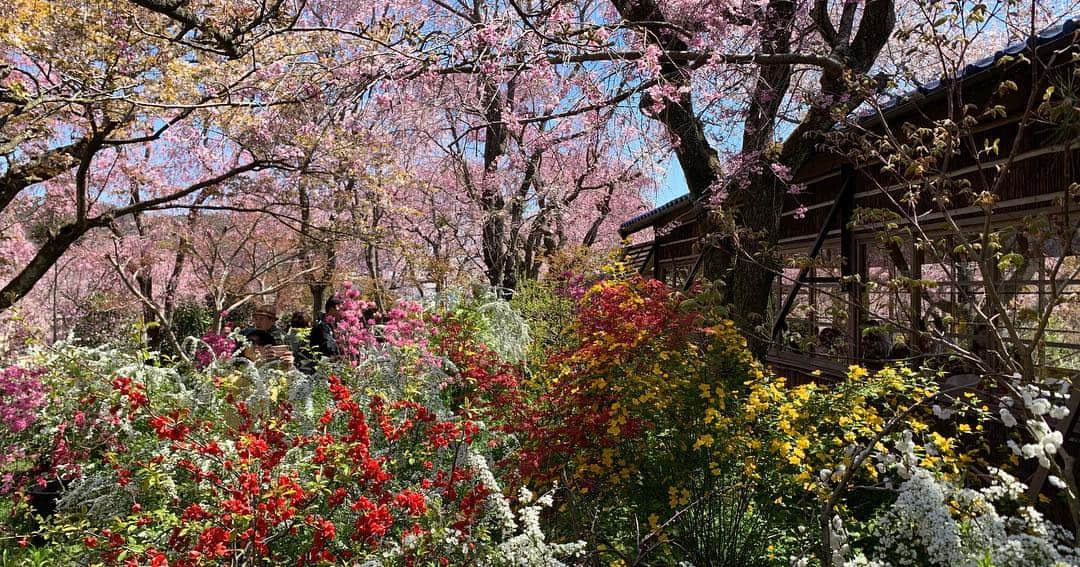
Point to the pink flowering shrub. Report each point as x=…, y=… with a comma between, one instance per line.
x=360, y=327
x=21, y=394
x=354, y=325
x=220, y=345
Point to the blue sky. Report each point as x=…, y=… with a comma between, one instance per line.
x=674, y=184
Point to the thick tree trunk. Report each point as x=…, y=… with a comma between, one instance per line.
x=757, y=207
x=748, y=263
x=497, y=257
x=318, y=299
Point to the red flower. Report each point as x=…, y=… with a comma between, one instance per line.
x=412, y=501
x=194, y=513
x=158, y=559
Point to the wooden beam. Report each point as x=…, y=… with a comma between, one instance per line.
x=852, y=262
x=845, y=196
x=693, y=273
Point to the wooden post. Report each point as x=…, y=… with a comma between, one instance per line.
x=918, y=326
x=655, y=255
x=851, y=261
x=846, y=195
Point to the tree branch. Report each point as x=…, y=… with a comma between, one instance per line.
x=42, y=168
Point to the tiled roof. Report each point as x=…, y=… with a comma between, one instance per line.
x=1046, y=36
x=645, y=219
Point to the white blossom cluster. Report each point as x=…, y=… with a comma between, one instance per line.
x=1046, y=442
x=1040, y=402
x=934, y=522
x=506, y=331
x=529, y=547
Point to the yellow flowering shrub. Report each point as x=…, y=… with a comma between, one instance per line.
x=655, y=416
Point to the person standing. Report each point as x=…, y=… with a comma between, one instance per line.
x=323, y=340
x=298, y=339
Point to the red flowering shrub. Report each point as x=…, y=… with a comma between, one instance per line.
x=600, y=396
x=484, y=382
x=172, y=467
x=266, y=489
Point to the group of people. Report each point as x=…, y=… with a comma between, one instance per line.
x=300, y=345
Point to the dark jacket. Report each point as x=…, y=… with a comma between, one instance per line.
x=322, y=339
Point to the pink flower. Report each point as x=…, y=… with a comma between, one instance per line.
x=220, y=345
x=21, y=395
x=781, y=171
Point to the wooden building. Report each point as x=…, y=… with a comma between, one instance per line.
x=857, y=286
x=836, y=302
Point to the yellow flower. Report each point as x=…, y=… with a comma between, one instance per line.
x=654, y=521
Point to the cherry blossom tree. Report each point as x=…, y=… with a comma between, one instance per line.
x=112, y=109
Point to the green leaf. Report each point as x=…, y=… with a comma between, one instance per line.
x=1011, y=260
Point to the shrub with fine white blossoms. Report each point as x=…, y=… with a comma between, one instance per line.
x=527, y=547
x=934, y=522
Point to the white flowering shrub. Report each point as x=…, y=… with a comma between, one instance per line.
x=525, y=544
x=935, y=522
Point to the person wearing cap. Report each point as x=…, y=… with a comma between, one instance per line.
x=265, y=319
x=264, y=338
x=323, y=341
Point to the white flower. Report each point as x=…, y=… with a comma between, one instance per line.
x=529, y=547
x=1039, y=406
x=1059, y=412
x=1056, y=482
x=1007, y=418
x=933, y=522
x=1051, y=442
x=943, y=413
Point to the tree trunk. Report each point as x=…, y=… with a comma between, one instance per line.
x=753, y=211
x=495, y=252
x=318, y=299
x=757, y=207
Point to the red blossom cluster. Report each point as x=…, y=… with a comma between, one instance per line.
x=349, y=495
x=484, y=380
x=619, y=332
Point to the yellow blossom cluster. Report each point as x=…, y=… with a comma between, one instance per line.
x=683, y=408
